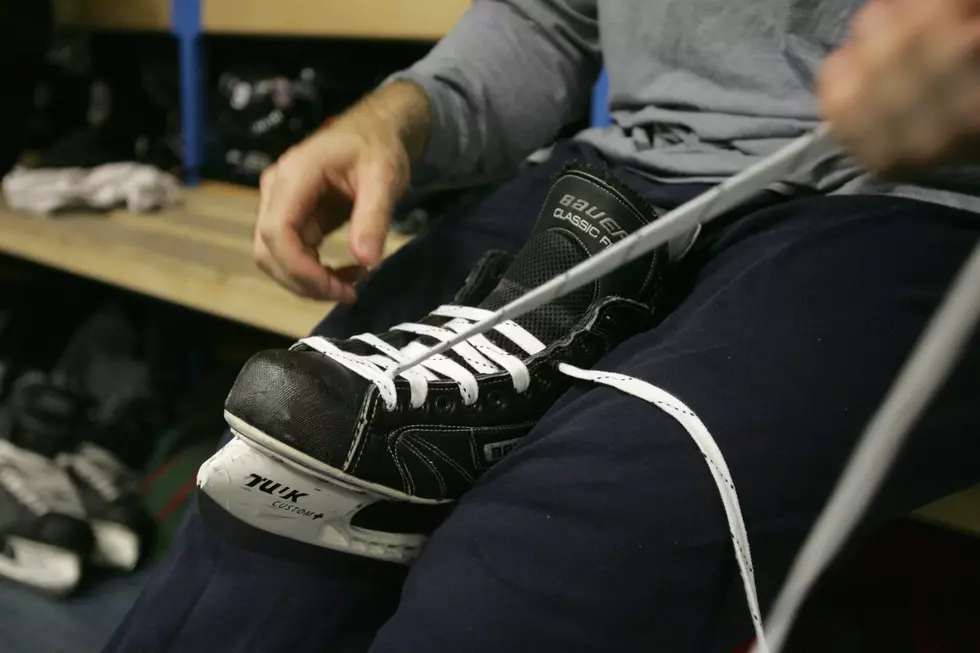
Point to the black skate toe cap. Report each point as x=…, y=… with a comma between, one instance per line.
x=300, y=398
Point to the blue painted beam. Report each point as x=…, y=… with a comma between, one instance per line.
x=186, y=17
x=600, y=101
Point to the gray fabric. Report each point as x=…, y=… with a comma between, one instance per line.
x=699, y=89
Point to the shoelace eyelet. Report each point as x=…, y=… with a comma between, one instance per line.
x=443, y=404
x=545, y=380
x=402, y=404
x=372, y=367
x=495, y=400
x=588, y=347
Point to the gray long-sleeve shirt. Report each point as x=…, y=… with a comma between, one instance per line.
x=698, y=89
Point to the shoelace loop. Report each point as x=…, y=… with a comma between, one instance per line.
x=480, y=355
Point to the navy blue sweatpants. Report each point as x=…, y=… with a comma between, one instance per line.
x=604, y=531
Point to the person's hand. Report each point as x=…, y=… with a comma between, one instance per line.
x=903, y=93
x=357, y=168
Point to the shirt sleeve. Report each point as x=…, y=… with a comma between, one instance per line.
x=504, y=81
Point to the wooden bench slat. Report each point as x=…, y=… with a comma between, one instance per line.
x=196, y=254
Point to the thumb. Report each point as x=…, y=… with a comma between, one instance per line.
x=376, y=192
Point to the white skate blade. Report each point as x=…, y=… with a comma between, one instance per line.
x=41, y=566
x=266, y=492
x=116, y=545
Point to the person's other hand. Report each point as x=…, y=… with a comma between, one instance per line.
x=356, y=168
x=903, y=93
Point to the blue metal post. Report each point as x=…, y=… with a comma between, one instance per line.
x=600, y=101
x=186, y=16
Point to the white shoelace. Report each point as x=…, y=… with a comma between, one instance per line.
x=929, y=365
x=484, y=357
x=479, y=353
x=37, y=482
x=716, y=464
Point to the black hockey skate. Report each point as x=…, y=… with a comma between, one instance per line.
x=331, y=451
x=45, y=541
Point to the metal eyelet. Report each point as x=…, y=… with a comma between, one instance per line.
x=545, y=377
x=443, y=404
x=495, y=400
x=587, y=347
x=403, y=404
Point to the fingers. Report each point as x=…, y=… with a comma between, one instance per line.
x=284, y=246
x=378, y=188
x=313, y=188
x=329, y=286
x=905, y=89
x=350, y=274
x=267, y=263
x=302, y=263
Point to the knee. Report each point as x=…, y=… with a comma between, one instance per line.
x=609, y=473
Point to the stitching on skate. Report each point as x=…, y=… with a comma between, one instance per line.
x=412, y=444
x=651, y=270
x=441, y=428
x=452, y=463
x=373, y=403
x=407, y=480
x=643, y=221
x=475, y=459
x=363, y=419
x=619, y=201
x=587, y=322
x=408, y=444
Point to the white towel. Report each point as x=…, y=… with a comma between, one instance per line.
x=140, y=188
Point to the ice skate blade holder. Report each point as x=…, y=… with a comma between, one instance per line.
x=282, y=497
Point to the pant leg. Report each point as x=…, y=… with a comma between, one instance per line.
x=604, y=531
x=210, y=595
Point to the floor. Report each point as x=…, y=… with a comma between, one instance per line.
x=31, y=623
x=912, y=588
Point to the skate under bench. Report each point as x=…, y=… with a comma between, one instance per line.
x=196, y=254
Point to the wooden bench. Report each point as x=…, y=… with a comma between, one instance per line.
x=196, y=254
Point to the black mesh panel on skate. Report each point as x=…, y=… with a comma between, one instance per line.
x=545, y=256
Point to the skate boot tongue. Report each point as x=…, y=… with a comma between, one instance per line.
x=586, y=211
